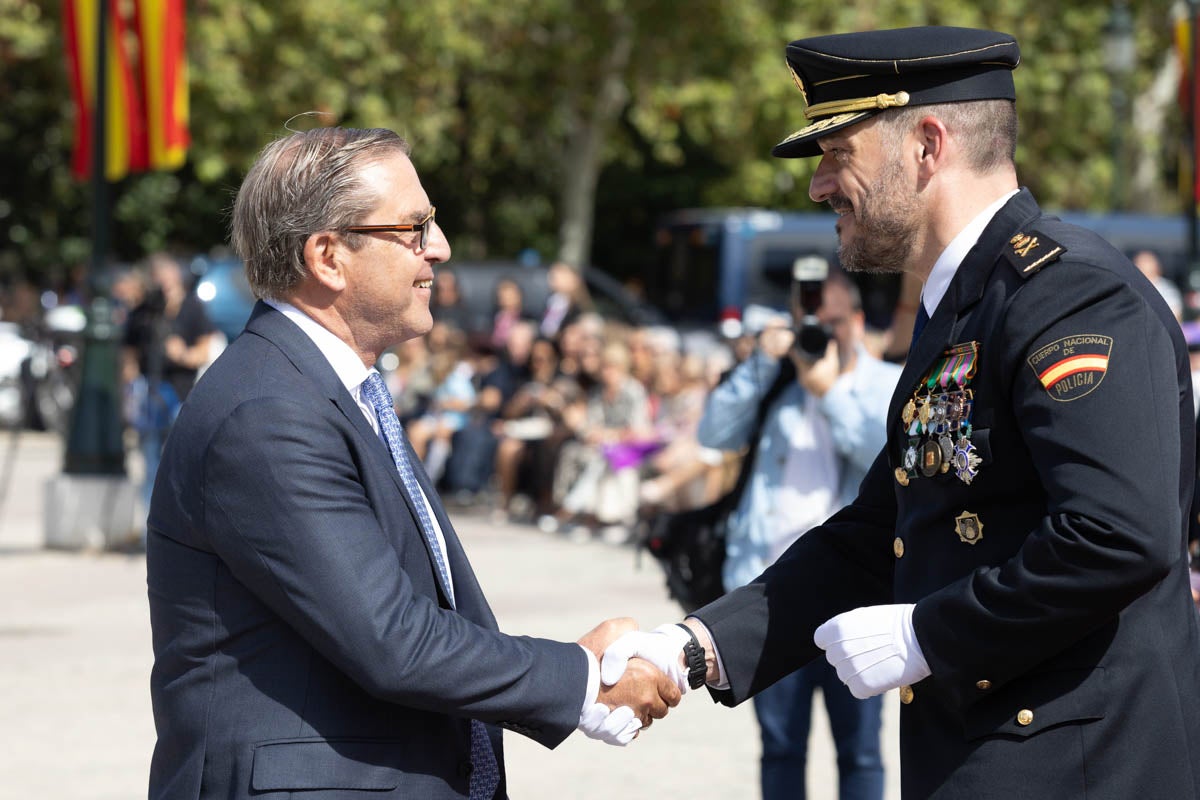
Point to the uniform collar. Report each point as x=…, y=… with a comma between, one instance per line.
x=947, y=264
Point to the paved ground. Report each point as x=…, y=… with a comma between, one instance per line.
x=75, y=661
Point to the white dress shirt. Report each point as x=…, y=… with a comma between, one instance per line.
x=947, y=264
x=353, y=374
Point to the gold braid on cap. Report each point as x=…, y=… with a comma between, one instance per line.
x=879, y=101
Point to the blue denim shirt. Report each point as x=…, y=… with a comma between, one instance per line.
x=856, y=410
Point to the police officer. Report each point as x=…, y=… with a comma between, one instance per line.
x=1015, y=561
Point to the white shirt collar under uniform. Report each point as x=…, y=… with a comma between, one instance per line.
x=948, y=262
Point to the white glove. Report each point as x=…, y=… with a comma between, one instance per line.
x=662, y=647
x=616, y=728
x=874, y=649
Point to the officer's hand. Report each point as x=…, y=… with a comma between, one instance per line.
x=873, y=649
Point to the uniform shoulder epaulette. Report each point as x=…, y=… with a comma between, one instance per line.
x=1030, y=251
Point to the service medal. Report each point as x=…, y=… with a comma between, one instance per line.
x=947, y=451
x=931, y=458
x=925, y=412
x=909, y=413
x=966, y=461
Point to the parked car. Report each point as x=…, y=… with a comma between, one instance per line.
x=477, y=285
x=221, y=285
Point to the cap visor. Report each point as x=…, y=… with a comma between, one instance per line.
x=803, y=143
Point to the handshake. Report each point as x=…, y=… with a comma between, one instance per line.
x=643, y=674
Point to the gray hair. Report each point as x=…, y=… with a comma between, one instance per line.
x=301, y=184
x=987, y=129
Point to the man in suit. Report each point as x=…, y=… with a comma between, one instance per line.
x=1015, y=560
x=317, y=627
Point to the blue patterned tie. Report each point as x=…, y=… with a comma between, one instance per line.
x=485, y=773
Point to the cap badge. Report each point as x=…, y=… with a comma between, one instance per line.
x=799, y=83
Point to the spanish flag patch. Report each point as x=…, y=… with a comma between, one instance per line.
x=1073, y=366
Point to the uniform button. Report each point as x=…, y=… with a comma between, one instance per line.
x=1024, y=717
x=983, y=685
x=465, y=768
x=906, y=694
x=898, y=547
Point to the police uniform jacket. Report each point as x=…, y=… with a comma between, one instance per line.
x=1051, y=590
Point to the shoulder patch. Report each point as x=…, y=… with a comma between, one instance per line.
x=1072, y=366
x=1028, y=252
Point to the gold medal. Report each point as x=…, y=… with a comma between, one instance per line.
x=909, y=413
x=901, y=476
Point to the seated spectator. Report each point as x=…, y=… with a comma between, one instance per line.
x=449, y=408
x=682, y=474
x=447, y=305
x=509, y=311
x=568, y=298
x=473, y=452
x=607, y=451
x=531, y=432
x=411, y=381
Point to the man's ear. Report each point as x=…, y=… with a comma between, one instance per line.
x=932, y=142
x=323, y=258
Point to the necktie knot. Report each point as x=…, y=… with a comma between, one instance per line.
x=377, y=394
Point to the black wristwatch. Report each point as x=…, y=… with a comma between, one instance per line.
x=693, y=654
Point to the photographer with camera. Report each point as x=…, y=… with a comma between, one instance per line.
x=827, y=400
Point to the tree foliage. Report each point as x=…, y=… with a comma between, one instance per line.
x=669, y=103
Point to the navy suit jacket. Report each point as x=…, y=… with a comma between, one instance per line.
x=1059, y=628
x=301, y=640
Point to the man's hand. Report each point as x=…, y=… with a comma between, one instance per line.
x=776, y=339
x=600, y=637
x=643, y=688
x=873, y=649
x=643, y=695
x=818, y=377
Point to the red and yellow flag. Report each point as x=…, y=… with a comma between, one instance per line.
x=145, y=119
x=160, y=26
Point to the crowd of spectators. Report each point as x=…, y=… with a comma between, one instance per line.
x=560, y=417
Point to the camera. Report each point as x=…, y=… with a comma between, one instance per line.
x=808, y=280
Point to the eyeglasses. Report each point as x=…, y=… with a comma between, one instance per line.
x=423, y=226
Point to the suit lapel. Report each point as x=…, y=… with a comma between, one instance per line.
x=964, y=291
x=308, y=359
x=468, y=596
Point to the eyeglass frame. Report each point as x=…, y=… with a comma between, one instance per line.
x=422, y=226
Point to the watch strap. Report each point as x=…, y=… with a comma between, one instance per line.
x=693, y=654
